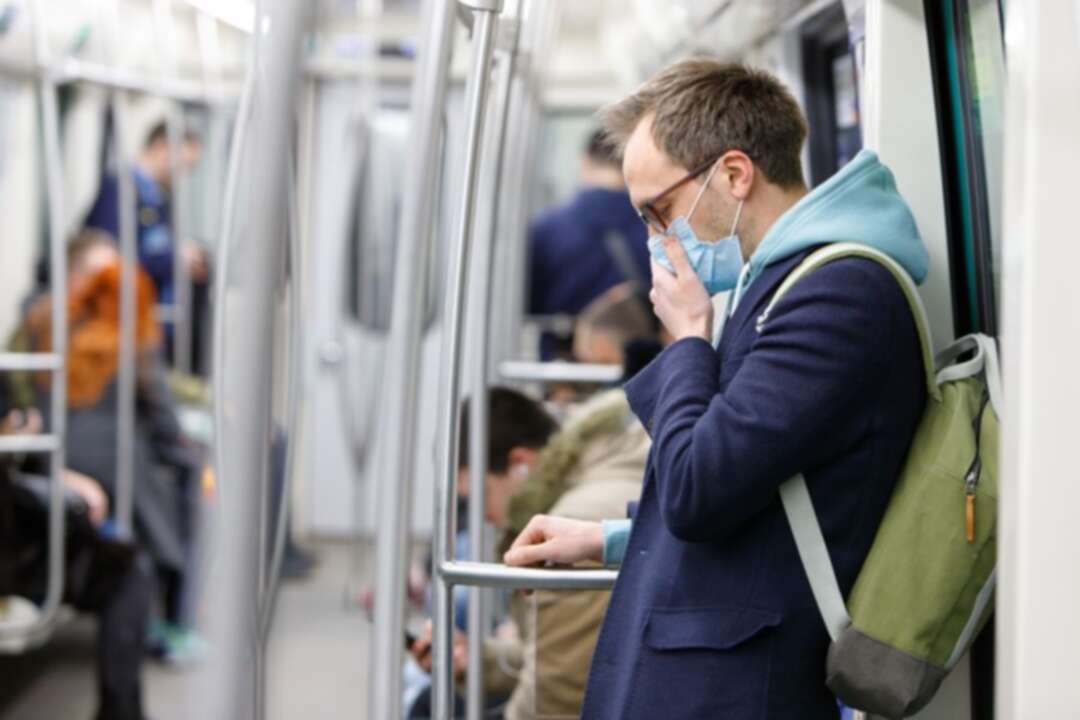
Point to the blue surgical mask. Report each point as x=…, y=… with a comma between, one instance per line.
x=717, y=263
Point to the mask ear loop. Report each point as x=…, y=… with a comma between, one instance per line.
x=701, y=192
x=738, y=214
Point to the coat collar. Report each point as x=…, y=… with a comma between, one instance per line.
x=759, y=292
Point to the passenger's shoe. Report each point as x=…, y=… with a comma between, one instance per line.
x=175, y=645
x=185, y=647
x=297, y=564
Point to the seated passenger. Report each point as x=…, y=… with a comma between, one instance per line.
x=617, y=328
x=103, y=576
x=167, y=465
x=588, y=470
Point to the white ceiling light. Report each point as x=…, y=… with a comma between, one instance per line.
x=238, y=13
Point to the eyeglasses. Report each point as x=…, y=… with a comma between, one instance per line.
x=648, y=212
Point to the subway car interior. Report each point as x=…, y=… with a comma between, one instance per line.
x=308, y=306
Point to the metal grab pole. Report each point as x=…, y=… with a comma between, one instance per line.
x=57, y=359
x=292, y=414
x=246, y=383
x=165, y=35
x=395, y=443
x=453, y=326
x=480, y=335
x=127, y=380
x=559, y=371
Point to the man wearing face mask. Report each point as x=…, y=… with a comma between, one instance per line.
x=713, y=616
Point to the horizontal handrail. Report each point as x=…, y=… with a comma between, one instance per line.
x=495, y=575
x=70, y=70
x=30, y=361
x=29, y=444
x=559, y=372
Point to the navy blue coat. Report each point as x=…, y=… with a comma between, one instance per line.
x=712, y=616
x=571, y=263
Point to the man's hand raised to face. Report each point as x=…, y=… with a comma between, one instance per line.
x=679, y=299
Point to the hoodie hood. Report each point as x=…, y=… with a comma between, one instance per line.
x=859, y=204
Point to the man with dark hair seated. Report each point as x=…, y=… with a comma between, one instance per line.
x=588, y=469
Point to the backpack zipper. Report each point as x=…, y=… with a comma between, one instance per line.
x=971, y=480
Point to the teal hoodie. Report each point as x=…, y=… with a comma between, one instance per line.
x=859, y=204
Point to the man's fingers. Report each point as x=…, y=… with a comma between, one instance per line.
x=676, y=253
x=533, y=533
x=661, y=276
x=528, y=555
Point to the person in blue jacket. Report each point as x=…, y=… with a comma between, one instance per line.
x=152, y=173
x=712, y=615
x=582, y=248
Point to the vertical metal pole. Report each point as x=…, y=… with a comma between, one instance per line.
x=165, y=33
x=395, y=446
x=127, y=379
x=246, y=381
x=58, y=270
x=449, y=422
x=480, y=335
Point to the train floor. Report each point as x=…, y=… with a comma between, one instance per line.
x=318, y=658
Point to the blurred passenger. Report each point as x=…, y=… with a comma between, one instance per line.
x=588, y=470
x=167, y=466
x=584, y=247
x=153, y=178
x=103, y=576
x=617, y=328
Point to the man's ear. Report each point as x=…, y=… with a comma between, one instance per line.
x=522, y=457
x=739, y=169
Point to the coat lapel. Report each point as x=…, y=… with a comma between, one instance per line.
x=756, y=296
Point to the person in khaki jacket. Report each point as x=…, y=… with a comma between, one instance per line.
x=588, y=470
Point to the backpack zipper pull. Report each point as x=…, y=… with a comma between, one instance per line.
x=971, y=480
x=970, y=515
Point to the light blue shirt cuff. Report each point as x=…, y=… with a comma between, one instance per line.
x=616, y=536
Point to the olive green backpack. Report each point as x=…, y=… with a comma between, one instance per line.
x=927, y=585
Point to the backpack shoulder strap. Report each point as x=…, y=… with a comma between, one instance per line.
x=794, y=494
x=814, y=555
x=837, y=251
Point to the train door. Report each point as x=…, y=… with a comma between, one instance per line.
x=967, y=45
x=355, y=199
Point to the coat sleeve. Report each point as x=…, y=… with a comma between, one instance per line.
x=721, y=456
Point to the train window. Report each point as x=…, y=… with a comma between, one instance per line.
x=967, y=52
x=832, y=102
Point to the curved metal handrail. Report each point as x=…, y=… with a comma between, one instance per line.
x=453, y=330
x=495, y=575
x=54, y=443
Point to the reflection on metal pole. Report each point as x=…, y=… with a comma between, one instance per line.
x=453, y=326
x=127, y=379
x=246, y=382
x=396, y=459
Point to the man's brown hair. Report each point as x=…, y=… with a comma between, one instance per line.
x=703, y=108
